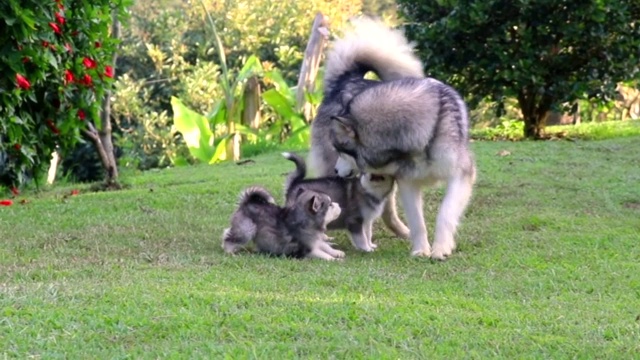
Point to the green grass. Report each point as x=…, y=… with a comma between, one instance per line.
x=513, y=130
x=548, y=266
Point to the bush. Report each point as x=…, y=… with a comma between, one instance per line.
x=56, y=60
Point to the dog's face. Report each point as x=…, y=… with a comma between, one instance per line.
x=318, y=207
x=344, y=139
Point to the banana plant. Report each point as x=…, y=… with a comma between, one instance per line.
x=228, y=111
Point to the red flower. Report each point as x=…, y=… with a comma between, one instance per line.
x=25, y=59
x=45, y=43
x=15, y=191
x=89, y=63
x=108, y=71
x=68, y=47
x=23, y=83
x=75, y=192
x=6, y=202
x=55, y=28
x=86, y=80
x=68, y=76
x=59, y=18
x=81, y=114
x=98, y=45
x=17, y=147
x=53, y=127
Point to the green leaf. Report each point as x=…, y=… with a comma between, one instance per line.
x=195, y=130
x=300, y=136
x=251, y=67
x=281, y=85
x=52, y=59
x=221, y=151
x=279, y=103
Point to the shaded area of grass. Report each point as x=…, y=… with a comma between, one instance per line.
x=547, y=266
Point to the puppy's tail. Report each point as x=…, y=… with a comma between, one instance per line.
x=371, y=46
x=254, y=197
x=298, y=174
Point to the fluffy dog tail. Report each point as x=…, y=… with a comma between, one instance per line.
x=254, y=197
x=298, y=174
x=371, y=46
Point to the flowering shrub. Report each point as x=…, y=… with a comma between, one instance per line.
x=55, y=59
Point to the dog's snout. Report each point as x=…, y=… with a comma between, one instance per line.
x=335, y=171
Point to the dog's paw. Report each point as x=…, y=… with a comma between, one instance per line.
x=442, y=251
x=338, y=254
x=403, y=233
x=373, y=246
x=421, y=253
x=366, y=248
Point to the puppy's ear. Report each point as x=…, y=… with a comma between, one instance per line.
x=299, y=192
x=315, y=204
x=343, y=127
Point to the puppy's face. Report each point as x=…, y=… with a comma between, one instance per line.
x=344, y=139
x=319, y=207
x=377, y=184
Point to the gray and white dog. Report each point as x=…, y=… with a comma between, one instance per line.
x=414, y=129
x=369, y=46
x=361, y=199
x=296, y=230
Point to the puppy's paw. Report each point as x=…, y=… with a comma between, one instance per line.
x=338, y=254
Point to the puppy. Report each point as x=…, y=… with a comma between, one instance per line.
x=296, y=230
x=362, y=199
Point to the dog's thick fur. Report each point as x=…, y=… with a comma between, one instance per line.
x=415, y=130
x=361, y=199
x=410, y=127
x=369, y=46
x=296, y=230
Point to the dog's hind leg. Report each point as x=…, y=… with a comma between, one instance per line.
x=391, y=218
x=455, y=201
x=411, y=197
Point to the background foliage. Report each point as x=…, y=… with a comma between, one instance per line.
x=55, y=68
x=545, y=54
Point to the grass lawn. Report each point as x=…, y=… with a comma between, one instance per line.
x=548, y=266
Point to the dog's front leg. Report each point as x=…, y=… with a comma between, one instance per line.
x=411, y=197
x=368, y=232
x=318, y=253
x=359, y=237
x=325, y=247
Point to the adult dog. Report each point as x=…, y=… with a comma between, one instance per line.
x=369, y=46
x=407, y=126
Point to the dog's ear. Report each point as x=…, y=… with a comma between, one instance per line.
x=299, y=192
x=343, y=127
x=315, y=204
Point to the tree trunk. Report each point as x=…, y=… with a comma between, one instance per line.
x=251, y=111
x=101, y=137
x=535, y=111
x=311, y=64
